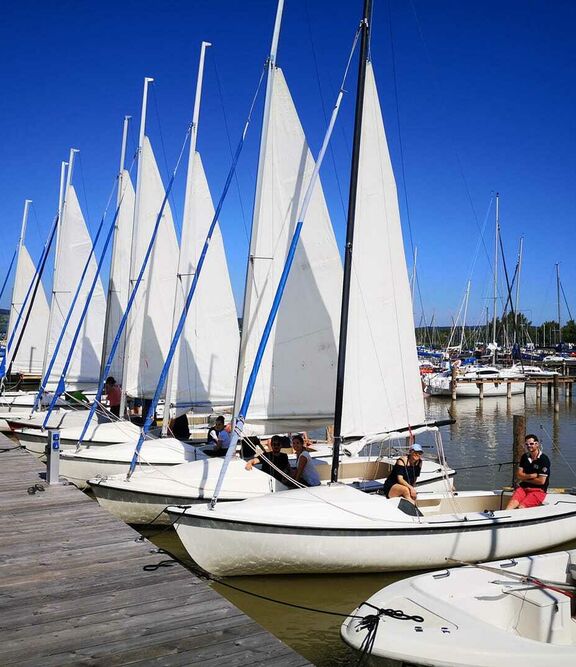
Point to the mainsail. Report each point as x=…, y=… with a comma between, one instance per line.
x=382, y=389
x=74, y=247
x=30, y=355
x=148, y=336
x=207, y=355
x=118, y=291
x=296, y=381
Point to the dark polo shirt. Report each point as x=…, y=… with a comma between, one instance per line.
x=541, y=465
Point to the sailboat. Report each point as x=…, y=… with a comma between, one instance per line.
x=515, y=612
x=29, y=356
x=304, y=335
x=337, y=528
x=204, y=365
x=72, y=258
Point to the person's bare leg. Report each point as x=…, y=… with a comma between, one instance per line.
x=400, y=491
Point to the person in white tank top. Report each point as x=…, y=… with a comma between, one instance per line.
x=305, y=471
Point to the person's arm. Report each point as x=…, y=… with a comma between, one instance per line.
x=252, y=462
x=533, y=477
x=302, y=461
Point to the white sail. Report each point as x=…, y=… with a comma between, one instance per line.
x=207, y=355
x=151, y=314
x=74, y=246
x=382, y=389
x=298, y=371
x=118, y=291
x=30, y=355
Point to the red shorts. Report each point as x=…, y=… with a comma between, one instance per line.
x=529, y=497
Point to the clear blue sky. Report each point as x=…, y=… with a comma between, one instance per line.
x=477, y=98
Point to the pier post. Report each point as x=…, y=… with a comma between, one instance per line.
x=556, y=393
x=538, y=390
x=568, y=386
x=453, y=382
x=509, y=389
x=481, y=388
x=519, y=435
x=549, y=386
x=53, y=457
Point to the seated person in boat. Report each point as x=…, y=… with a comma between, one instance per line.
x=219, y=438
x=402, y=479
x=534, y=475
x=274, y=463
x=305, y=471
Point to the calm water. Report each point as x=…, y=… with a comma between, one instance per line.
x=481, y=436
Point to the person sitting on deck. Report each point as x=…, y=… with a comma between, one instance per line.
x=274, y=463
x=401, y=482
x=219, y=438
x=534, y=475
x=113, y=393
x=305, y=471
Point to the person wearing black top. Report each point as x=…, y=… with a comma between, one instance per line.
x=534, y=475
x=275, y=457
x=401, y=481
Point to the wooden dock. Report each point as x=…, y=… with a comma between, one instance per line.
x=76, y=588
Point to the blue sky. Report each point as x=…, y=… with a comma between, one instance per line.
x=477, y=98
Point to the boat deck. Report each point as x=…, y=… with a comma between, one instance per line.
x=76, y=588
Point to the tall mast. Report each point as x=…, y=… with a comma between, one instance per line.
x=465, y=315
x=170, y=390
x=147, y=81
x=365, y=29
x=111, y=283
x=494, y=351
x=13, y=314
x=257, y=200
x=413, y=286
x=558, y=302
x=520, y=249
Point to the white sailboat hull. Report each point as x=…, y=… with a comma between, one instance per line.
x=109, y=433
x=339, y=529
x=104, y=462
x=519, y=624
x=149, y=491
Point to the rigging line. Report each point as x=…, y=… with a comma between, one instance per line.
x=558, y=450
x=72, y=308
x=566, y=301
x=175, y=215
x=322, y=102
x=8, y=272
x=436, y=83
x=227, y=128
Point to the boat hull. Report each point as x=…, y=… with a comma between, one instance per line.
x=224, y=544
x=444, y=614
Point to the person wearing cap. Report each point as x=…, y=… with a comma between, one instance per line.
x=401, y=482
x=534, y=475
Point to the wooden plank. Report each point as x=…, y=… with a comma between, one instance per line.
x=76, y=588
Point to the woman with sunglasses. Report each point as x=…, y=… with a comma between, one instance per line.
x=401, y=481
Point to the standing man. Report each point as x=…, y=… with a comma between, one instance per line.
x=113, y=394
x=534, y=475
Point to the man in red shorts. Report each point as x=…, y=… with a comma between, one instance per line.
x=534, y=474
